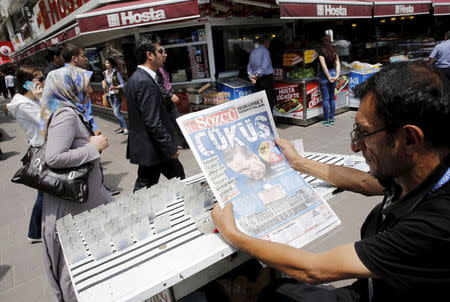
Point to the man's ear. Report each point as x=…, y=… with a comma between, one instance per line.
x=413, y=138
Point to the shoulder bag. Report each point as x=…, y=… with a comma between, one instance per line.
x=67, y=183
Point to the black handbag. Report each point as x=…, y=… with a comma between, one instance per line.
x=67, y=183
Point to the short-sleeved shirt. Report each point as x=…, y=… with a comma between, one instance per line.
x=330, y=64
x=441, y=53
x=406, y=242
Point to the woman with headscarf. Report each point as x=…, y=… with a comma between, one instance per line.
x=69, y=144
x=328, y=75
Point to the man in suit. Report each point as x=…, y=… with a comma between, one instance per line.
x=151, y=142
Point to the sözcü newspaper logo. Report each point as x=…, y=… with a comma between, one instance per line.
x=212, y=120
x=130, y=18
x=331, y=10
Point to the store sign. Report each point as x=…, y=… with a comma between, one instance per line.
x=303, y=10
x=404, y=9
x=331, y=10
x=381, y=9
x=130, y=14
x=53, y=11
x=130, y=18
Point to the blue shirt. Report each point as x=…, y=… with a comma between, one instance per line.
x=441, y=53
x=260, y=63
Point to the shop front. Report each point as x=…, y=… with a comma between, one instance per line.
x=207, y=40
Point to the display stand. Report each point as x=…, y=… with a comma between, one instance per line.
x=181, y=259
x=311, y=99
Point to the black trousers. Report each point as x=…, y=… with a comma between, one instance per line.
x=4, y=92
x=149, y=175
x=12, y=91
x=266, y=83
x=290, y=290
x=446, y=72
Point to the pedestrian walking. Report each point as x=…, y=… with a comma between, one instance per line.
x=26, y=108
x=75, y=57
x=260, y=70
x=150, y=141
x=69, y=144
x=113, y=84
x=171, y=99
x=10, y=82
x=440, y=56
x=54, y=59
x=3, y=89
x=330, y=69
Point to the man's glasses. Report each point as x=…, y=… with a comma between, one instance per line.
x=358, y=134
x=40, y=79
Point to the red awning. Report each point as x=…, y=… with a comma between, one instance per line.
x=137, y=13
x=325, y=9
x=388, y=8
x=60, y=37
x=441, y=7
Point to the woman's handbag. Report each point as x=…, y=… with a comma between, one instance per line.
x=105, y=101
x=67, y=183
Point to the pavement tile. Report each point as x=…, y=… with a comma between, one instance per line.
x=30, y=291
x=4, y=233
x=6, y=278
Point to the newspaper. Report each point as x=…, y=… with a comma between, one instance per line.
x=234, y=146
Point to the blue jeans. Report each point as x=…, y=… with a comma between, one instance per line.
x=116, y=101
x=34, y=230
x=327, y=89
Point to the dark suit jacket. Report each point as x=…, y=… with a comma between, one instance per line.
x=150, y=140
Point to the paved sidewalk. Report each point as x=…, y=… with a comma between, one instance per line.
x=22, y=276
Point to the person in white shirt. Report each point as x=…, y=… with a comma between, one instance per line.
x=26, y=108
x=10, y=82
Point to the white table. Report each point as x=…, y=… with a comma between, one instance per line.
x=183, y=259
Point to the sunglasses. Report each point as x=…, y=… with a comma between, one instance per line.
x=40, y=79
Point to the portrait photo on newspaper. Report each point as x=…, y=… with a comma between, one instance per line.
x=234, y=146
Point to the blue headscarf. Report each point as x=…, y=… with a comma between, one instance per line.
x=66, y=86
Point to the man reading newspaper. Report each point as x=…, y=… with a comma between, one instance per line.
x=403, y=254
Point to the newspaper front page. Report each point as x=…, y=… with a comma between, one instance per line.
x=234, y=146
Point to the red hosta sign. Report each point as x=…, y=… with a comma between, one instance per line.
x=384, y=8
x=331, y=9
x=136, y=13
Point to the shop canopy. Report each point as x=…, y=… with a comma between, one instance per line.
x=325, y=9
x=60, y=37
x=441, y=7
x=137, y=13
x=392, y=8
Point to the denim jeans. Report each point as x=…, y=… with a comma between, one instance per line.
x=327, y=89
x=34, y=230
x=116, y=101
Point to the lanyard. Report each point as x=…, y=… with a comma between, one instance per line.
x=444, y=179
